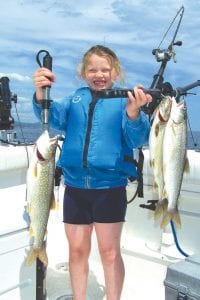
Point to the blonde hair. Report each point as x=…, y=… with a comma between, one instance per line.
x=103, y=52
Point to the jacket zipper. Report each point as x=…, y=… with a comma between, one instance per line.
x=87, y=182
x=89, y=128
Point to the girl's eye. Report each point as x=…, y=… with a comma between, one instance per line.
x=105, y=70
x=96, y=71
x=92, y=71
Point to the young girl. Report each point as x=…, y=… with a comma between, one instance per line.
x=100, y=133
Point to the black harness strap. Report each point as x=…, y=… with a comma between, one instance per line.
x=140, y=173
x=139, y=166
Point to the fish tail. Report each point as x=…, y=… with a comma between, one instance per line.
x=176, y=219
x=33, y=254
x=31, y=257
x=165, y=221
x=186, y=166
x=171, y=216
x=161, y=207
x=43, y=256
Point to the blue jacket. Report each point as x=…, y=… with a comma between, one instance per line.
x=99, y=137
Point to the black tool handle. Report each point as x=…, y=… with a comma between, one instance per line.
x=123, y=93
x=47, y=63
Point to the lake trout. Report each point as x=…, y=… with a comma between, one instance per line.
x=174, y=160
x=156, y=136
x=40, y=194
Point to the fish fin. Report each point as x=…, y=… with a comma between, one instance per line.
x=31, y=257
x=42, y=255
x=158, y=211
x=151, y=163
x=187, y=166
x=176, y=219
x=57, y=205
x=56, y=195
x=155, y=186
x=174, y=216
x=160, y=208
x=33, y=254
x=165, y=205
x=165, y=221
x=164, y=195
x=156, y=130
x=31, y=232
x=53, y=202
x=35, y=170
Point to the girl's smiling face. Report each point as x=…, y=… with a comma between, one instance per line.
x=99, y=73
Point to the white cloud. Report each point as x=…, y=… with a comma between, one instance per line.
x=16, y=76
x=66, y=29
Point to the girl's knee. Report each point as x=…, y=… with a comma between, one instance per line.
x=78, y=253
x=109, y=255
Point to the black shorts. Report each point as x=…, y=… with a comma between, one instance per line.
x=85, y=206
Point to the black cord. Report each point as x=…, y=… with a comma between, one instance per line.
x=191, y=133
x=20, y=126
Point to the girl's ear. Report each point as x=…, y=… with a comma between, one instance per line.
x=83, y=75
x=81, y=72
x=115, y=75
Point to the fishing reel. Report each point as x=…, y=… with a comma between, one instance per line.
x=6, y=120
x=166, y=54
x=158, y=88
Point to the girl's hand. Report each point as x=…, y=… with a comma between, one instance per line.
x=135, y=102
x=42, y=77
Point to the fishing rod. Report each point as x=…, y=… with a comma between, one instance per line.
x=46, y=101
x=156, y=93
x=158, y=89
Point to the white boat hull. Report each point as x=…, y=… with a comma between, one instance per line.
x=147, y=250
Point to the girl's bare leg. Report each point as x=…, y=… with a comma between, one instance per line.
x=79, y=238
x=108, y=237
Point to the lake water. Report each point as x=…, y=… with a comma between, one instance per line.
x=31, y=131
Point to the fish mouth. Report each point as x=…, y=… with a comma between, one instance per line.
x=39, y=155
x=54, y=140
x=181, y=103
x=162, y=120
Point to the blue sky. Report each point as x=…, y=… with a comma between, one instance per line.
x=67, y=28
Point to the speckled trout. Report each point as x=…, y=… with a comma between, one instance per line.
x=40, y=194
x=174, y=160
x=156, y=136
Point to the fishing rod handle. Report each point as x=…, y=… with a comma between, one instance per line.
x=183, y=90
x=47, y=60
x=123, y=93
x=47, y=63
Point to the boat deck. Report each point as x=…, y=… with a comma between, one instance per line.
x=147, y=250
x=145, y=267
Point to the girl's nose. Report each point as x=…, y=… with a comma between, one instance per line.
x=99, y=74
